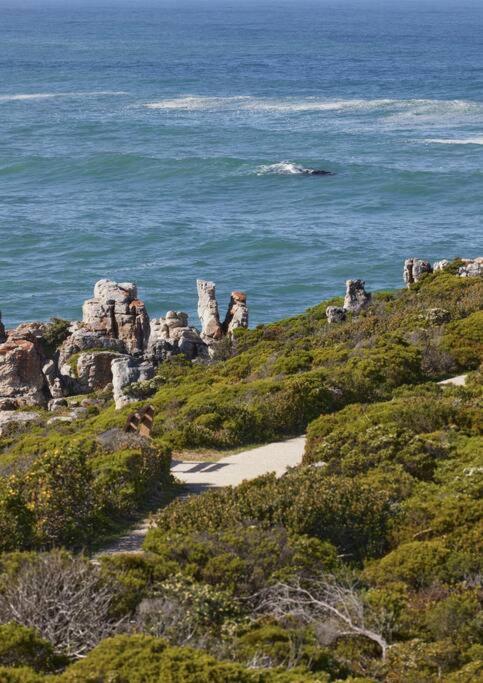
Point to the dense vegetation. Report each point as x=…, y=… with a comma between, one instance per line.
x=362, y=564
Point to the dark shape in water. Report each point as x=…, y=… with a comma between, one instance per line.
x=317, y=171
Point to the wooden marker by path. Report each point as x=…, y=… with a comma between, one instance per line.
x=141, y=422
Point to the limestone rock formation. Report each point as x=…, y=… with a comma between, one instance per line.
x=21, y=376
x=237, y=314
x=11, y=420
x=93, y=370
x=54, y=381
x=171, y=335
x=440, y=265
x=471, y=267
x=208, y=313
x=127, y=370
x=335, y=314
x=356, y=297
x=116, y=312
x=83, y=339
x=414, y=269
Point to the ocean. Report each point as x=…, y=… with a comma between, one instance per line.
x=163, y=143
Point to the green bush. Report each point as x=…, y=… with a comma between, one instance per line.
x=241, y=560
x=145, y=659
x=23, y=647
x=352, y=513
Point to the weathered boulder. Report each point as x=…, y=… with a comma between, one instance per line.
x=335, y=314
x=414, y=269
x=93, y=370
x=171, y=335
x=84, y=339
x=57, y=404
x=54, y=381
x=237, y=314
x=125, y=371
x=116, y=312
x=356, y=297
x=440, y=265
x=471, y=267
x=21, y=376
x=3, y=335
x=211, y=329
x=12, y=420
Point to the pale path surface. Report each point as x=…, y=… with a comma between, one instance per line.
x=200, y=476
x=458, y=381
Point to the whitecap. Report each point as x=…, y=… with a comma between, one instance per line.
x=283, y=168
x=50, y=95
x=412, y=108
x=456, y=141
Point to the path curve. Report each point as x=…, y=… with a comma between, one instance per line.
x=200, y=476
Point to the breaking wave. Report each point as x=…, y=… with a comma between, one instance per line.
x=285, y=168
x=416, y=107
x=460, y=141
x=50, y=95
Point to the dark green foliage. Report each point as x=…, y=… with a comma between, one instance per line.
x=351, y=513
x=144, y=659
x=57, y=331
x=21, y=646
x=241, y=560
x=72, y=493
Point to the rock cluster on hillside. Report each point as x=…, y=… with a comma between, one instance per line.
x=115, y=343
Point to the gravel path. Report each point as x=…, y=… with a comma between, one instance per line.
x=230, y=471
x=458, y=381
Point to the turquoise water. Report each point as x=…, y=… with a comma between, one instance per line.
x=154, y=145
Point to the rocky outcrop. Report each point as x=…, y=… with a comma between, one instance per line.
x=93, y=370
x=171, y=335
x=211, y=330
x=21, y=376
x=356, y=297
x=335, y=314
x=55, y=384
x=237, y=314
x=471, y=267
x=440, y=265
x=414, y=269
x=125, y=371
x=11, y=421
x=116, y=312
x=84, y=339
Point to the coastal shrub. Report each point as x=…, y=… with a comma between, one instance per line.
x=59, y=492
x=463, y=339
x=241, y=560
x=21, y=646
x=352, y=513
x=64, y=598
x=55, y=333
x=417, y=564
x=16, y=519
x=23, y=674
x=146, y=659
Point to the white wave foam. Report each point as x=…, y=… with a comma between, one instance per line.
x=460, y=141
x=413, y=107
x=50, y=95
x=283, y=168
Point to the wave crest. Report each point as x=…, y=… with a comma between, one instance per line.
x=50, y=95
x=284, y=168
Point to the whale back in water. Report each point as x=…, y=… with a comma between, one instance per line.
x=316, y=171
x=290, y=168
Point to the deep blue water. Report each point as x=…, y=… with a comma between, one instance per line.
x=137, y=143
